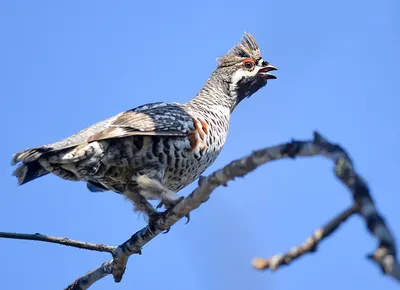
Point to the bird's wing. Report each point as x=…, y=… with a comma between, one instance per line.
x=161, y=119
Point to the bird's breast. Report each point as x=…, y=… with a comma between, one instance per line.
x=200, y=149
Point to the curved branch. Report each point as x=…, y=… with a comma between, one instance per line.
x=309, y=246
x=384, y=255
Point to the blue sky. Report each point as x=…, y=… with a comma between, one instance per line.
x=68, y=64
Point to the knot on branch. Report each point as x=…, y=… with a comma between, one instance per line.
x=291, y=149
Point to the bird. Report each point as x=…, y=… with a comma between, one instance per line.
x=153, y=151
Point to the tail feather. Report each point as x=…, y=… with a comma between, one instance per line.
x=28, y=172
x=30, y=168
x=28, y=155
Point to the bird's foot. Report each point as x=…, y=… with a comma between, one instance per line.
x=153, y=218
x=169, y=204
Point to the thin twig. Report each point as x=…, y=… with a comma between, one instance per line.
x=59, y=240
x=309, y=246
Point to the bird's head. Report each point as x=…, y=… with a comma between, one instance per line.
x=244, y=69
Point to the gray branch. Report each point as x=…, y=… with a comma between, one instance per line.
x=59, y=240
x=309, y=246
x=384, y=256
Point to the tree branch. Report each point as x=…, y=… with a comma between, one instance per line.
x=384, y=255
x=309, y=246
x=59, y=240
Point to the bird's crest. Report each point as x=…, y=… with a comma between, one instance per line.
x=247, y=47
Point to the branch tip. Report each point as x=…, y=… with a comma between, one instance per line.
x=260, y=264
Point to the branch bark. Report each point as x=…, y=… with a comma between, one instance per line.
x=309, y=246
x=59, y=240
x=384, y=256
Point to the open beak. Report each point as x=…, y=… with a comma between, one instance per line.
x=264, y=71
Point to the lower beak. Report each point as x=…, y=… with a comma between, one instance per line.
x=264, y=71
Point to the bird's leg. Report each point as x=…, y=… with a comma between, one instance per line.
x=141, y=204
x=151, y=187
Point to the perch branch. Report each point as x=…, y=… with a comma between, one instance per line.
x=309, y=246
x=384, y=255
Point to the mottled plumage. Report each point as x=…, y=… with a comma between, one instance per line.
x=155, y=150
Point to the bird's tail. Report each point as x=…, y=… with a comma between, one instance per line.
x=30, y=168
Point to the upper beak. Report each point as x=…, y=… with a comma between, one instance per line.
x=264, y=71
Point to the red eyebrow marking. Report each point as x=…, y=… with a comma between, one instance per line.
x=248, y=59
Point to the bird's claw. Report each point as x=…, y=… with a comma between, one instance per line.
x=187, y=218
x=178, y=200
x=153, y=218
x=160, y=205
x=168, y=204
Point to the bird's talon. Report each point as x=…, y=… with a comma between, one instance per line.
x=187, y=218
x=153, y=217
x=178, y=200
x=168, y=204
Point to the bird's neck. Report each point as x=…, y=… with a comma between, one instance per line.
x=215, y=93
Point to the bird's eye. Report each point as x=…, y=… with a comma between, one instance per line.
x=248, y=63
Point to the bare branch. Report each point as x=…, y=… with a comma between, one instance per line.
x=309, y=246
x=59, y=240
x=384, y=255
